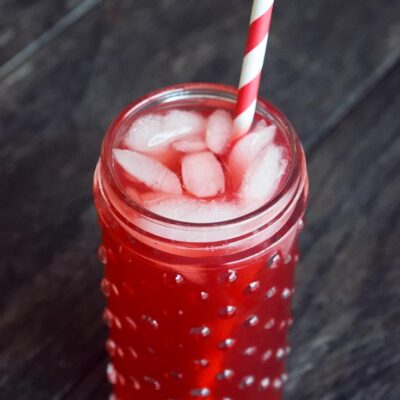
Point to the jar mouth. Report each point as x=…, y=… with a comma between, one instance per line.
x=192, y=91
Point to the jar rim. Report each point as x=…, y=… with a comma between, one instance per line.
x=189, y=91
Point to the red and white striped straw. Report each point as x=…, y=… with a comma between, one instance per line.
x=253, y=61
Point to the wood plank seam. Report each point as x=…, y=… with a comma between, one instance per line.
x=47, y=37
x=351, y=102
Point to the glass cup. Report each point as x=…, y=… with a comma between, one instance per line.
x=198, y=311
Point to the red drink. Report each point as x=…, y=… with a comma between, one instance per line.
x=198, y=304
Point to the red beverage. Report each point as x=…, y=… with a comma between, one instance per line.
x=198, y=258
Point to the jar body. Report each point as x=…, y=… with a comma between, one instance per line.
x=202, y=322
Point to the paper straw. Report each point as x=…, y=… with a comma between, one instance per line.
x=253, y=61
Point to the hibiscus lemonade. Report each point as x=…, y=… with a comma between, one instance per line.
x=199, y=243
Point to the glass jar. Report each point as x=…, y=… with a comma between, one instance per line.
x=198, y=311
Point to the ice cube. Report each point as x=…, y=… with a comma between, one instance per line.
x=180, y=122
x=263, y=175
x=191, y=144
x=202, y=174
x=261, y=125
x=247, y=148
x=133, y=194
x=219, y=131
x=152, y=132
x=150, y=197
x=186, y=209
x=148, y=171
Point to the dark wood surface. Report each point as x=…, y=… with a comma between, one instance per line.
x=68, y=67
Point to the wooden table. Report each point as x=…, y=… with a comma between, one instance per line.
x=68, y=66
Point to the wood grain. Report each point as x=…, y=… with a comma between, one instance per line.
x=54, y=110
x=23, y=22
x=345, y=340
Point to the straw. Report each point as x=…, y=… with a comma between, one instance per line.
x=253, y=61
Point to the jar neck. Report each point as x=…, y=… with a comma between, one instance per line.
x=265, y=225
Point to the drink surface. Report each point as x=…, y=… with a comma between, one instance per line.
x=187, y=165
x=198, y=325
